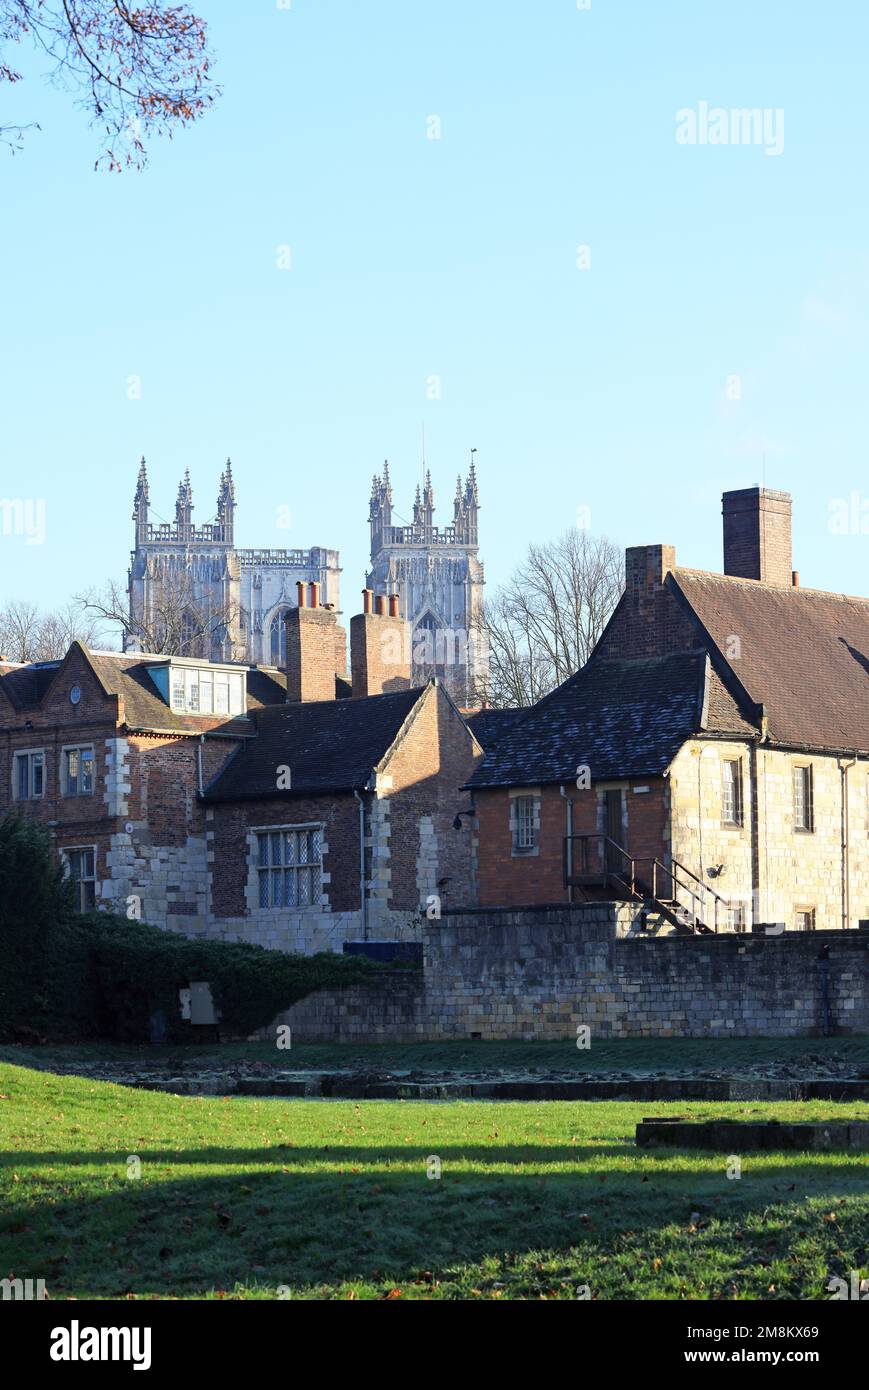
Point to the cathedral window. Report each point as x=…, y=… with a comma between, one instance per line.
x=278, y=638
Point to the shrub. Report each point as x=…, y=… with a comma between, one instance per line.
x=65, y=976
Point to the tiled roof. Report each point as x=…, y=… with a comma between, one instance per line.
x=802, y=654
x=488, y=725
x=26, y=685
x=144, y=708
x=622, y=718
x=328, y=745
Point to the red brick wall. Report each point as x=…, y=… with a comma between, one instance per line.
x=78, y=820
x=231, y=824
x=648, y=621
x=435, y=759
x=312, y=650
x=379, y=654
x=509, y=880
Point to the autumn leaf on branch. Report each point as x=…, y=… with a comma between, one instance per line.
x=138, y=70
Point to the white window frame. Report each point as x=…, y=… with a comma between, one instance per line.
x=808, y=912
x=736, y=817
x=524, y=823
x=268, y=874
x=803, y=774
x=79, y=748
x=79, y=883
x=34, y=756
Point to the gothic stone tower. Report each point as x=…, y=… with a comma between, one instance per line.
x=240, y=596
x=439, y=579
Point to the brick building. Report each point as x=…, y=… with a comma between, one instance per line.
x=296, y=808
x=710, y=763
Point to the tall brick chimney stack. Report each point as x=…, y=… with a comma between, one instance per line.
x=316, y=649
x=757, y=535
x=379, y=648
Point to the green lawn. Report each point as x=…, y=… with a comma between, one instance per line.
x=331, y=1199
x=725, y=1056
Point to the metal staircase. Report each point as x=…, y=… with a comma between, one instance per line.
x=600, y=867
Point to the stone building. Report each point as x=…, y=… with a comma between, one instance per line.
x=238, y=597
x=296, y=808
x=438, y=577
x=710, y=763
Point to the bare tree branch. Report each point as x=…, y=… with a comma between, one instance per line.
x=138, y=70
x=542, y=625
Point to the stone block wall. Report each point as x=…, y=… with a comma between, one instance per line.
x=541, y=975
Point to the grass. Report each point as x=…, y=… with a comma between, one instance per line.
x=241, y=1198
x=724, y=1056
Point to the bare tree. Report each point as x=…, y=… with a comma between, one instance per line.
x=28, y=635
x=179, y=621
x=542, y=625
x=138, y=69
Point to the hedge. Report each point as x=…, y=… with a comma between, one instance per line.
x=65, y=976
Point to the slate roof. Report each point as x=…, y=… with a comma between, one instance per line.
x=144, y=708
x=804, y=655
x=126, y=675
x=26, y=685
x=488, y=725
x=328, y=745
x=623, y=718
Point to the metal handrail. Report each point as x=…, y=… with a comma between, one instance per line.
x=672, y=872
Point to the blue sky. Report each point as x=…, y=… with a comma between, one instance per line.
x=717, y=340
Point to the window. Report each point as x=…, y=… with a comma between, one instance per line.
x=736, y=917
x=78, y=771
x=805, y=919
x=290, y=867
x=278, y=638
x=524, y=830
x=81, y=868
x=803, y=808
x=207, y=691
x=731, y=792
x=28, y=776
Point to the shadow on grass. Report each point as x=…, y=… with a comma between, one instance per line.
x=312, y=1229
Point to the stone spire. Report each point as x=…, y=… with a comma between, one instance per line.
x=140, y=503
x=184, y=504
x=226, y=504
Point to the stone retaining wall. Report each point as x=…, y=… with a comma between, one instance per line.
x=542, y=974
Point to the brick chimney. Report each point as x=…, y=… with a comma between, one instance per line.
x=757, y=535
x=316, y=648
x=379, y=648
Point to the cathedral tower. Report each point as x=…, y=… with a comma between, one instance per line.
x=190, y=590
x=439, y=579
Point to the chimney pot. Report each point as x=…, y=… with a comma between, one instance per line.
x=301, y=590
x=367, y=595
x=393, y=605
x=795, y=578
x=380, y=605
x=315, y=594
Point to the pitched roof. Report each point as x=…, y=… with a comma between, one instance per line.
x=144, y=708
x=802, y=654
x=621, y=718
x=26, y=685
x=328, y=745
x=488, y=725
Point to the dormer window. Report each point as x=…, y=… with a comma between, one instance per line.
x=207, y=690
